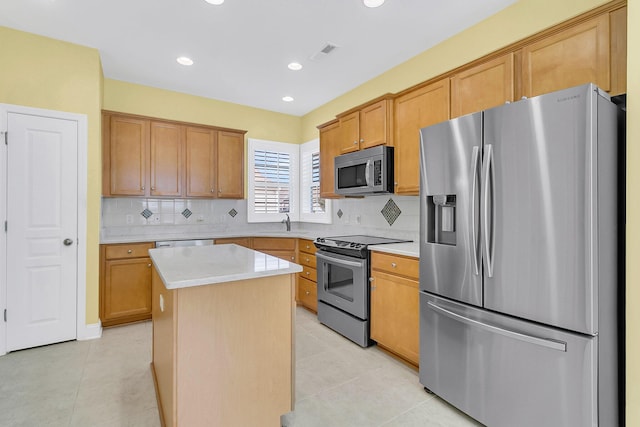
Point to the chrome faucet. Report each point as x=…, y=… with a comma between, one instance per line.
x=287, y=222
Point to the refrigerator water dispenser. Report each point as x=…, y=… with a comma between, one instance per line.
x=441, y=218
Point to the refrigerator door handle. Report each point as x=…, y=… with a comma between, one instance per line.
x=488, y=172
x=475, y=156
x=554, y=345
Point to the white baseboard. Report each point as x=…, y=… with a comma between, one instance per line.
x=90, y=332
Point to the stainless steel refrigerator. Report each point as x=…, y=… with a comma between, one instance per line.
x=518, y=261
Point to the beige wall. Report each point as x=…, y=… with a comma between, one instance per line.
x=633, y=215
x=149, y=101
x=45, y=73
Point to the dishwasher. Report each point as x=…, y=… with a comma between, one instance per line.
x=180, y=243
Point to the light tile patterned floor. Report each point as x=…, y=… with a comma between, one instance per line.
x=107, y=383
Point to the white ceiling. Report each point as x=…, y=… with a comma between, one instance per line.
x=241, y=49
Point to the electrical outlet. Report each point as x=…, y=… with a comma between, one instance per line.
x=200, y=218
x=129, y=219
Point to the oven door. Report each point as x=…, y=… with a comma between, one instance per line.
x=343, y=283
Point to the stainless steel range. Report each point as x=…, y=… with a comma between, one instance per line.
x=343, y=284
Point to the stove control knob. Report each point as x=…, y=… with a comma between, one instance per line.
x=320, y=240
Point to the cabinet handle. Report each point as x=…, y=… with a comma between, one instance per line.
x=153, y=188
x=355, y=142
x=307, y=293
x=292, y=258
x=142, y=187
x=394, y=265
x=362, y=140
x=308, y=246
x=307, y=273
x=148, y=265
x=306, y=259
x=371, y=279
x=212, y=190
x=129, y=251
x=219, y=191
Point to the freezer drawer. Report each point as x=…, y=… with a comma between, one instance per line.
x=507, y=372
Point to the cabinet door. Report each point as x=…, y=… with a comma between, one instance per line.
x=240, y=241
x=374, y=124
x=308, y=293
x=128, y=147
x=200, y=147
x=230, y=167
x=484, y=86
x=395, y=315
x=126, y=293
x=349, y=133
x=329, y=149
x=413, y=111
x=167, y=163
x=572, y=57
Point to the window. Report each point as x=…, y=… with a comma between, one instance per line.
x=313, y=208
x=285, y=179
x=273, y=181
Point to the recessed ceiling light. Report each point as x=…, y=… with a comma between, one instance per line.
x=295, y=66
x=183, y=60
x=373, y=3
x=216, y=2
x=287, y=98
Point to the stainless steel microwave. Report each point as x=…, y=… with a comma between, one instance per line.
x=368, y=171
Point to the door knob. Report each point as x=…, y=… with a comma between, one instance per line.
x=68, y=242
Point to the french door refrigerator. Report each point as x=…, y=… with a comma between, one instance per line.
x=518, y=262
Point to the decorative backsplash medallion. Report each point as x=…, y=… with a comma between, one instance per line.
x=339, y=213
x=233, y=213
x=391, y=211
x=186, y=213
x=146, y=213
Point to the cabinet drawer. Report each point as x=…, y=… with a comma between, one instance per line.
x=308, y=294
x=128, y=250
x=395, y=264
x=275, y=243
x=307, y=246
x=307, y=259
x=309, y=273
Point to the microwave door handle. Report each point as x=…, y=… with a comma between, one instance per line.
x=367, y=170
x=338, y=261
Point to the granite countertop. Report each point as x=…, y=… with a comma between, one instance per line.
x=411, y=249
x=183, y=267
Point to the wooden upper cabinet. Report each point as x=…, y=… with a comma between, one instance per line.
x=329, y=149
x=577, y=55
x=349, y=138
x=230, y=167
x=128, y=144
x=367, y=127
x=618, y=24
x=484, y=86
x=147, y=157
x=375, y=124
x=167, y=164
x=200, y=147
x=414, y=110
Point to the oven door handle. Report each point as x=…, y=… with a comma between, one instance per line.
x=338, y=260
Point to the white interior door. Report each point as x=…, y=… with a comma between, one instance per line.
x=42, y=234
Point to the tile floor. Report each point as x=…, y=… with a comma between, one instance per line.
x=107, y=382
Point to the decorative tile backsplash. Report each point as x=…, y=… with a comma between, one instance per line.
x=395, y=216
x=391, y=211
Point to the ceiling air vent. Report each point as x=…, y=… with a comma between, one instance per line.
x=322, y=53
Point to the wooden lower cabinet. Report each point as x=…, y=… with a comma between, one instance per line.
x=395, y=314
x=125, y=283
x=307, y=292
x=240, y=241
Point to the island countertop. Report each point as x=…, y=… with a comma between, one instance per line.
x=182, y=267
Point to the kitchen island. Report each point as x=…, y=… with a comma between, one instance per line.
x=223, y=328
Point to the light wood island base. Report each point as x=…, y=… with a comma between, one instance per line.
x=223, y=353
